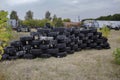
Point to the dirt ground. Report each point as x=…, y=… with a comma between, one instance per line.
x=83, y=65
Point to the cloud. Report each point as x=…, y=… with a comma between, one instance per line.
x=20, y=2
x=62, y=8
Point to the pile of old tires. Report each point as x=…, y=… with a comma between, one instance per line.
x=55, y=42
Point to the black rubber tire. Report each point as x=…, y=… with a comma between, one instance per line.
x=45, y=55
x=5, y=57
x=26, y=38
x=53, y=34
x=75, y=47
x=53, y=51
x=10, y=51
x=68, y=49
x=20, y=54
x=53, y=44
x=84, y=45
x=44, y=47
x=28, y=56
x=61, y=38
x=16, y=44
x=36, y=44
x=44, y=42
x=61, y=45
x=27, y=48
x=36, y=52
x=61, y=55
x=98, y=47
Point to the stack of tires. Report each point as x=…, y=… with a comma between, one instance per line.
x=56, y=42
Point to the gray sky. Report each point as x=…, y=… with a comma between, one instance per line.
x=63, y=8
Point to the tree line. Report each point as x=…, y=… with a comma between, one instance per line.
x=30, y=21
x=114, y=17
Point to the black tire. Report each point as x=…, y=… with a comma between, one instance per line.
x=36, y=52
x=53, y=51
x=93, y=45
x=44, y=47
x=27, y=47
x=60, y=55
x=5, y=57
x=20, y=54
x=53, y=34
x=16, y=44
x=28, y=56
x=75, y=47
x=10, y=51
x=61, y=38
x=68, y=49
x=36, y=44
x=26, y=38
x=45, y=55
x=98, y=47
x=83, y=46
x=44, y=42
x=53, y=44
x=61, y=45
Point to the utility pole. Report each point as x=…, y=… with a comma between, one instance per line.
x=78, y=18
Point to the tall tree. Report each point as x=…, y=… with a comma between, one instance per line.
x=48, y=15
x=14, y=15
x=29, y=15
x=54, y=17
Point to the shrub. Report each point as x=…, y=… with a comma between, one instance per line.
x=116, y=54
x=105, y=31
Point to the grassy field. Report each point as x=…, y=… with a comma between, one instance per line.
x=83, y=65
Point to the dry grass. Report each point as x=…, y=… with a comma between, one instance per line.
x=83, y=65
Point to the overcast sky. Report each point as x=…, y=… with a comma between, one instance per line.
x=63, y=8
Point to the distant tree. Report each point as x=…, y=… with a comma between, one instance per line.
x=48, y=15
x=59, y=22
x=115, y=17
x=29, y=15
x=66, y=20
x=14, y=15
x=54, y=17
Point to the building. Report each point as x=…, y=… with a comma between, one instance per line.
x=101, y=23
x=13, y=23
x=71, y=24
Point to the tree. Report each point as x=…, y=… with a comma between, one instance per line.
x=47, y=15
x=29, y=15
x=66, y=20
x=59, y=22
x=13, y=15
x=5, y=32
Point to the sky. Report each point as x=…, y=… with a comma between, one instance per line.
x=62, y=8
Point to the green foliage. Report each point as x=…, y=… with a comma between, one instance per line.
x=5, y=32
x=13, y=15
x=116, y=54
x=66, y=20
x=105, y=31
x=36, y=23
x=3, y=16
x=58, y=22
x=115, y=17
x=29, y=15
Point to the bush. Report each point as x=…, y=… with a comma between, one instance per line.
x=116, y=54
x=105, y=31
